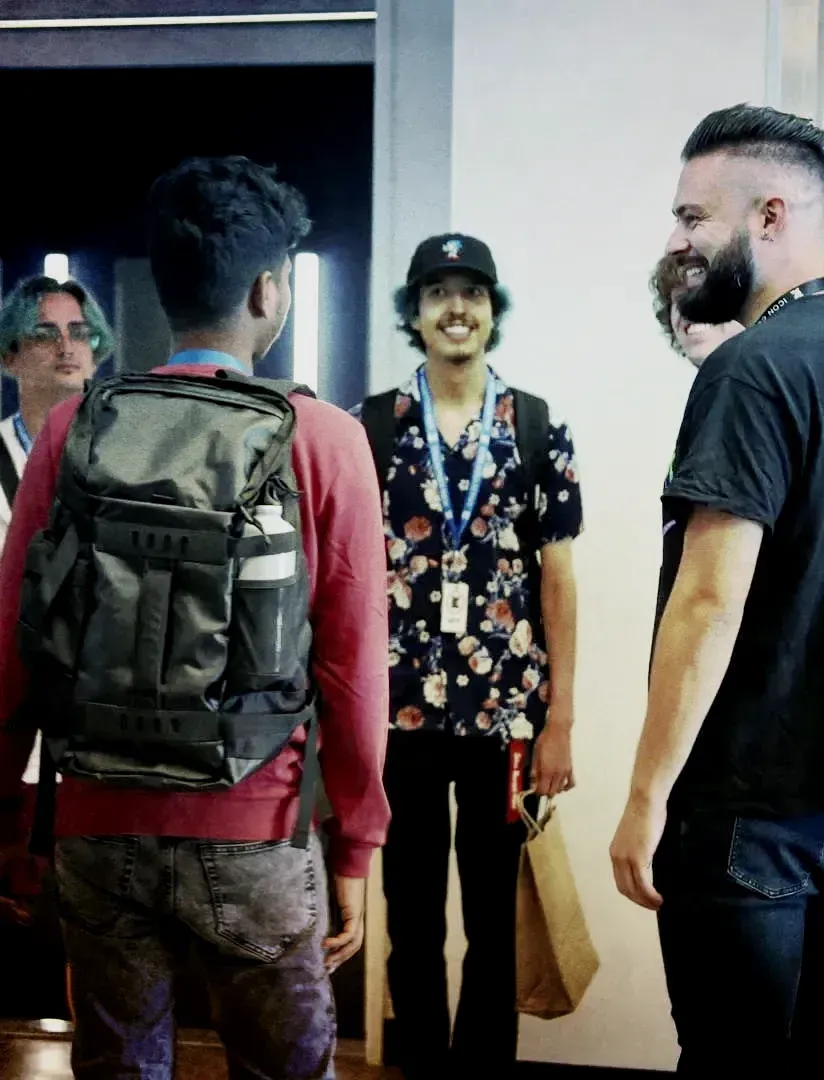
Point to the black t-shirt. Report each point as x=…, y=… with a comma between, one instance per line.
x=751, y=444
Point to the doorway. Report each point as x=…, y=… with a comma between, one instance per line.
x=79, y=183
x=82, y=166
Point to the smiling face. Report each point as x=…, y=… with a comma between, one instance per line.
x=698, y=340
x=713, y=240
x=455, y=318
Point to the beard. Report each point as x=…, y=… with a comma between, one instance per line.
x=726, y=288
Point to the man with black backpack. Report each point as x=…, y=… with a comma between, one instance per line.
x=197, y=557
x=481, y=504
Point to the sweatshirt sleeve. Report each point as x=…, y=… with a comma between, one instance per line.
x=351, y=649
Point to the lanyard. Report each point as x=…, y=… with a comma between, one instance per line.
x=433, y=439
x=22, y=434
x=207, y=356
x=809, y=288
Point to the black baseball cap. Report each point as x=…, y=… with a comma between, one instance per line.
x=452, y=252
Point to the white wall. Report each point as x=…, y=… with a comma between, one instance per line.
x=412, y=151
x=568, y=119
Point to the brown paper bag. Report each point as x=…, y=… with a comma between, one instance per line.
x=556, y=960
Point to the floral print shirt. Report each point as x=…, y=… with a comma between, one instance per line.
x=493, y=680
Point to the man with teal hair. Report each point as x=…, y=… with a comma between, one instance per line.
x=52, y=337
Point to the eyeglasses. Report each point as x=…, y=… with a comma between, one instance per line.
x=50, y=334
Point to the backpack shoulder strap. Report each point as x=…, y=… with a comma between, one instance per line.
x=8, y=473
x=378, y=418
x=531, y=436
x=532, y=440
x=282, y=386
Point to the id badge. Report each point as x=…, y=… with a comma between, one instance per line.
x=454, y=607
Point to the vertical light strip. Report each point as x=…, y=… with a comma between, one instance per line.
x=774, y=58
x=57, y=266
x=800, y=61
x=307, y=312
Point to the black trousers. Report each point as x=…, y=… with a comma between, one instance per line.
x=420, y=768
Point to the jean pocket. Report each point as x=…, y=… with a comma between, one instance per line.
x=768, y=858
x=264, y=895
x=93, y=875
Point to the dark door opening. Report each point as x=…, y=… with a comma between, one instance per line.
x=83, y=147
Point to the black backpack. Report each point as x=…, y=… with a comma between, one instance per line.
x=152, y=663
x=531, y=427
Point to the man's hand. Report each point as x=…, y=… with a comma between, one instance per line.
x=633, y=847
x=552, y=760
x=351, y=897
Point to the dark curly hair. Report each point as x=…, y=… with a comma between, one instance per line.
x=407, y=306
x=214, y=225
x=667, y=276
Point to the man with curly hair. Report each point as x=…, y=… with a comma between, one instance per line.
x=692, y=339
x=479, y=484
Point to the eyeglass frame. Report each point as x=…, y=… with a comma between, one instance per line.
x=51, y=334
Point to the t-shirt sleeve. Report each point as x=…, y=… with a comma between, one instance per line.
x=735, y=452
x=559, y=509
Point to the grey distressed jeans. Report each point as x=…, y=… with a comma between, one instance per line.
x=257, y=914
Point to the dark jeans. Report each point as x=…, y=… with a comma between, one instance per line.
x=419, y=770
x=742, y=935
x=256, y=913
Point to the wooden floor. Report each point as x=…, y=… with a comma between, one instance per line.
x=28, y=1052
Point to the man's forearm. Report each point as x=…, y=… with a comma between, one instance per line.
x=692, y=653
x=559, y=609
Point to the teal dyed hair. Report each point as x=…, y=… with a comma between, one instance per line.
x=20, y=314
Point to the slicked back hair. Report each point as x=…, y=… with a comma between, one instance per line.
x=762, y=133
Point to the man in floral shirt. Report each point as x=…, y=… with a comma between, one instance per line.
x=469, y=670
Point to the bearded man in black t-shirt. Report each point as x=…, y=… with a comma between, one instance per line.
x=723, y=832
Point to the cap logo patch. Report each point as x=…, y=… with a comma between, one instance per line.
x=452, y=249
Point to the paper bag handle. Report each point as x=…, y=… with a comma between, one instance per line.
x=534, y=826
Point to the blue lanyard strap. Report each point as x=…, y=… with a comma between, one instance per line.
x=22, y=434
x=433, y=440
